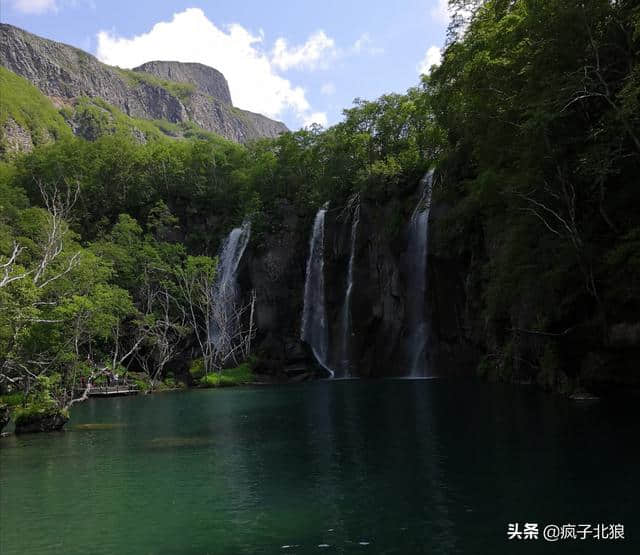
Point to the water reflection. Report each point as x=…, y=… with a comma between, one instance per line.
x=391, y=466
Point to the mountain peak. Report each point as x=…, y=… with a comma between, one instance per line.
x=152, y=91
x=205, y=78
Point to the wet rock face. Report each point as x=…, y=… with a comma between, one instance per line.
x=458, y=332
x=378, y=300
x=66, y=73
x=274, y=265
x=462, y=337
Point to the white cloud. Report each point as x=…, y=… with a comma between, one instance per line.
x=328, y=89
x=254, y=82
x=38, y=7
x=317, y=117
x=316, y=52
x=440, y=12
x=432, y=57
x=35, y=6
x=364, y=43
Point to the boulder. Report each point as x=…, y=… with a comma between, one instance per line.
x=41, y=420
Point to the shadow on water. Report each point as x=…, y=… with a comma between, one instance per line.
x=378, y=466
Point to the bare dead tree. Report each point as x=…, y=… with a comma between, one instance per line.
x=556, y=209
x=196, y=290
x=123, y=348
x=121, y=354
x=59, y=205
x=164, y=334
x=8, y=267
x=595, y=85
x=235, y=330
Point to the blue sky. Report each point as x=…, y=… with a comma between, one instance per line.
x=297, y=61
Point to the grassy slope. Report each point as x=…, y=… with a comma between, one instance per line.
x=115, y=121
x=34, y=112
x=183, y=91
x=29, y=108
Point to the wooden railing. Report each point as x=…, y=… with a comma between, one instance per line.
x=117, y=389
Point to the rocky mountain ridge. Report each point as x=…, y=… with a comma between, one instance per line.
x=170, y=91
x=206, y=79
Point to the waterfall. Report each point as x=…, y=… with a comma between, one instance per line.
x=314, y=317
x=346, y=323
x=416, y=281
x=224, y=321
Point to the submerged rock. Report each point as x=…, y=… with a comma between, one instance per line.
x=581, y=394
x=174, y=442
x=99, y=426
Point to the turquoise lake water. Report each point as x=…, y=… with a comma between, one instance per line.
x=388, y=466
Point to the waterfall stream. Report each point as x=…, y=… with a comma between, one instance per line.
x=346, y=322
x=417, y=281
x=224, y=321
x=314, y=317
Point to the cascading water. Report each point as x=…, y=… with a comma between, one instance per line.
x=224, y=319
x=314, y=316
x=346, y=324
x=416, y=281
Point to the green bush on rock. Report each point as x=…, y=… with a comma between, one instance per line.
x=5, y=415
x=40, y=418
x=196, y=370
x=226, y=378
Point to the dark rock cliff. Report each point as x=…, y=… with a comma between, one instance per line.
x=582, y=358
x=206, y=79
x=453, y=299
x=460, y=341
x=275, y=265
x=65, y=73
x=379, y=295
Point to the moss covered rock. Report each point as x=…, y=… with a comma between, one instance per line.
x=5, y=416
x=40, y=419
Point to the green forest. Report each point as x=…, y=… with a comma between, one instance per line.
x=532, y=122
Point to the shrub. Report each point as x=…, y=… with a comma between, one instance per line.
x=233, y=376
x=196, y=370
x=37, y=411
x=12, y=399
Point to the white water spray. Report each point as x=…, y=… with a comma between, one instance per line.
x=314, y=316
x=346, y=321
x=225, y=288
x=416, y=282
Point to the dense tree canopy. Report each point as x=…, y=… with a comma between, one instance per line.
x=532, y=119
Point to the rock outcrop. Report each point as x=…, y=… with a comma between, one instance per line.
x=17, y=137
x=206, y=79
x=43, y=420
x=5, y=416
x=275, y=266
x=63, y=72
x=460, y=341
